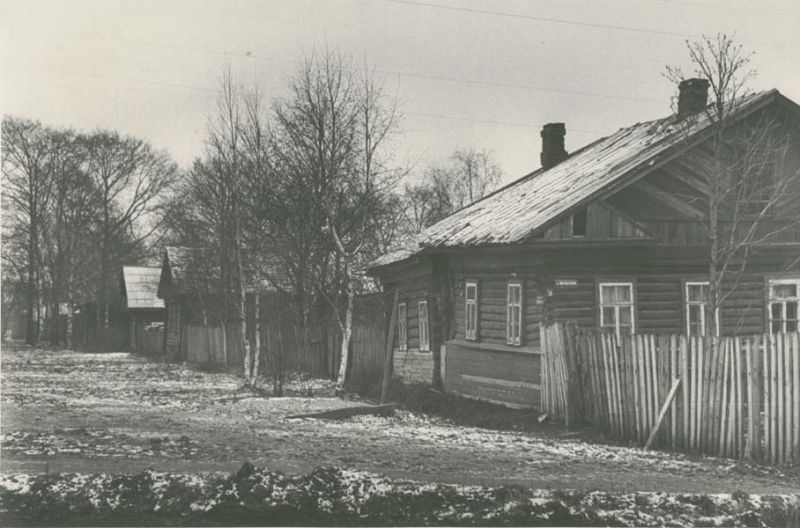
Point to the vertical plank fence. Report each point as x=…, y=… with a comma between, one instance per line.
x=738, y=397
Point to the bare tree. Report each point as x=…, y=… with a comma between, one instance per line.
x=750, y=191
x=330, y=159
x=468, y=176
x=130, y=179
x=473, y=174
x=27, y=190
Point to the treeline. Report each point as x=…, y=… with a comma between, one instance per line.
x=296, y=193
x=75, y=206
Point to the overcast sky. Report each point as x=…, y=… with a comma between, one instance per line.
x=481, y=73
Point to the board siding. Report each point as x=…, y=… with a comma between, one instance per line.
x=509, y=377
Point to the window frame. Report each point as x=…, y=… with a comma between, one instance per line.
x=473, y=334
x=775, y=281
x=704, y=311
x=424, y=346
x=616, y=282
x=510, y=339
x=402, y=326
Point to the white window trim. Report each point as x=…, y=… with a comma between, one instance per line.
x=703, y=311
x=424, y=345
x=771, y=299
x=600, y=305
x=402, y=326
x=511, y=340
x=470, y=334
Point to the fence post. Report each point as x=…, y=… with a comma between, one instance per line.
x=387, y=361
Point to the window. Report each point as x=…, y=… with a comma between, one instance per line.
x=471, y=311
x=616, y=307
x=424, y=338
x=784, y=297
x=402, y=329
x=697, y=296
x=579, y=224
x=514, y=313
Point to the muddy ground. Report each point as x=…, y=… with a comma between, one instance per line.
x=65, y=411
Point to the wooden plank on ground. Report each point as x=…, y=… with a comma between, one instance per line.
x=348, y=412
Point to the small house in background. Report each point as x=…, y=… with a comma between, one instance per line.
x=609, y=236
x=143, y=308
x=195, y=331
x=187, y=287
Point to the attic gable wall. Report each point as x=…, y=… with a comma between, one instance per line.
x=602, y=223
x=671, y=201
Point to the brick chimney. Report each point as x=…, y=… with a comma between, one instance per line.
x=692, y=96
x=553, y=151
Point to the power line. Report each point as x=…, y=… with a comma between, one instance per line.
x=521, y=86
x=542, y=18
x=459, y=80
x=494, y=122
x=596, y=25
x=127, y=79
x=728, y=7
x=213, y=90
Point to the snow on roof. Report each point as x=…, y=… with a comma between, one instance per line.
x=513, y=213
x=141, y=287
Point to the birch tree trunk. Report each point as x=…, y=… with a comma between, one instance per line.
x=347, y=331
x=256, y=345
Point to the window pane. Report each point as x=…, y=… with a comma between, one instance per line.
x=791, y=311
x=694, y=313
x=606, y=294
x=471, y=292
x=777, y=311
x=513, y=294
x=784, y=291
x=623, y=294
x=777, y=327
x=697, y=292
x=608, y=316
x=625, y=329
x=791, y=326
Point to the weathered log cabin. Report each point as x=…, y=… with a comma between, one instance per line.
x=611, y=236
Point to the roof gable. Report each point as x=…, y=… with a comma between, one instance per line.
x=141, y=287
x=516, y=212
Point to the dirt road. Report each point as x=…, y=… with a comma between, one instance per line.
x=66, y=411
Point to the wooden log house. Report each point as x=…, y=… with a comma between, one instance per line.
x=609, y=236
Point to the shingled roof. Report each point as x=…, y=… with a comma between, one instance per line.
x=517, y=211
x=141, y=287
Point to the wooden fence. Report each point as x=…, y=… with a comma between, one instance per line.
x=150, y=341
x=736, y=397
x=286, y=347
x=213, y=345
x=368, y=353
